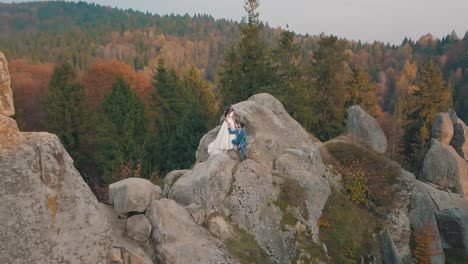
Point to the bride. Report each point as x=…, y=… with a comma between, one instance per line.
x=223, y=141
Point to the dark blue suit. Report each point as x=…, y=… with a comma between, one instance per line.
x=240, y=140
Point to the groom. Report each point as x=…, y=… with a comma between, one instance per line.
x=240, y=140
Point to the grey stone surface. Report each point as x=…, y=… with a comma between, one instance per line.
x=389, y=252
x=251, y=207
x=138, y=227
x=460, y=138
x=306, y=168
x=178, y=239
x=443, y=166
x=144, y=252
x=365, y=129
x=9, y=133
x=453, y=227
x=442, y=128
x=206, y=184
x=133, y=195
x=270, y=130
x=7, y=107
x=48, y=213
x=198, y=213
x=202, y=151
x=422, y=219
x=170, y=179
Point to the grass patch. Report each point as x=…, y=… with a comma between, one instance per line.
x=292, y=194
x=368, y=177
x=350, y=231
x=306, y=250
x=245, y=249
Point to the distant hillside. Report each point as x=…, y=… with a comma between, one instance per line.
x=53, y=31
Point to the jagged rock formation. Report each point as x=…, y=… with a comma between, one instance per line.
x=49, y=214
x=445, y=164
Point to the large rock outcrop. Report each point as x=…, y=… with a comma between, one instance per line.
x=6, y=95
x=365, y=129
x=270, y=130
x=445, y=167
x=178, y=239
x=49, y=214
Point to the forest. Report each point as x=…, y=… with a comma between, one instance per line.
x=131, y=93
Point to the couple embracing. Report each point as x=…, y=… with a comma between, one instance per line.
x=230, y=135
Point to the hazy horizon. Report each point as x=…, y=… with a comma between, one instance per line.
x=365, y=20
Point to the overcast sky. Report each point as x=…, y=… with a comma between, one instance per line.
x=366, y=20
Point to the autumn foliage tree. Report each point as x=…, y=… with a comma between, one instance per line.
x=431, y=96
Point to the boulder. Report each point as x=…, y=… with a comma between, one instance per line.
x=443, y=166
x=365, y=129
x=206, y=184
x=170, y=179
x=442, y=128
x=179, y=239
x=49, y=214
x=251, y=207
x=138, y=227
x=270, y=130
x=460, y=138
x=133, y=195
x=220, y=229
x=453, y=227
x=6, y=95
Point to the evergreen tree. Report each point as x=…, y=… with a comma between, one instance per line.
x=430, y=97
x=64, y=108
x=248, y=61
x=169, y=104
x=121, y=133
x=185, y=139
x=289, y=85
x=330, y=76
x=360, y=90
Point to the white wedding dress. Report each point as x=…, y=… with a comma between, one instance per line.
x=223, y=141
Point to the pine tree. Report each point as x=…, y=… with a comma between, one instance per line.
x=246, y=69
x=289, y=85
x=184, y=140
x=64, y=106
x=330, y=76
x=430, y=97
x=121, y=133
x=169, y=103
